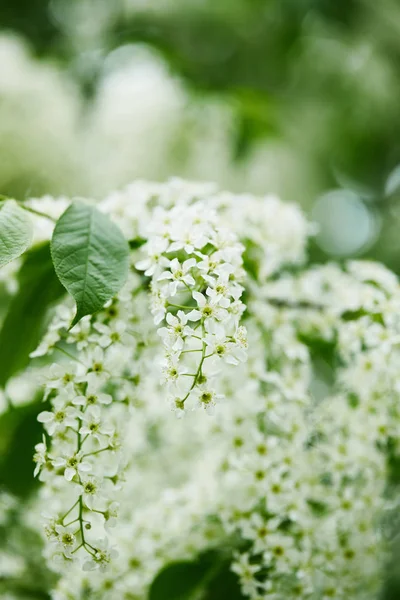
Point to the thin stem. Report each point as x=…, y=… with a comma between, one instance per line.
x=178, y=306
x=199, y=370
x=73, y=429
x=77, y=548
x=80, y=517
x=283, y=303
x=101, y=512
x=79, y=501
x=71, y=356
x=70, y=510
x=96, y=452
x=84, y=439
x=71, y=522
x=38, y=213
x=79, y=440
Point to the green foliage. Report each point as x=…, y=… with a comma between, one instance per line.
x=32, y=18
x=19, y=432
x=207, y=578
x=34, y=580
x=15, y=231
x=23, y=324
x=20, y=334
x=90, y=256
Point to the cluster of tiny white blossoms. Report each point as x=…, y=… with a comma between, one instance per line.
x=303, y=473
x=88, y=388
x=196, y=268
x=289, y=474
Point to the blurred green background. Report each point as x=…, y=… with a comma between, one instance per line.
x=298, y=98
x=294, y=97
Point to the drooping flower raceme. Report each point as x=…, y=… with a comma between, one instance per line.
x=196, y=269
x=87, y=388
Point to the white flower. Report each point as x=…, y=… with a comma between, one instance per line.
x=282, y=552
x=111, y=514
x=207, y=309
x=91, y=489
x=102, y=558
x=66, y=539
x=174, y=335
x=41, y=456
x=158, y=304
x=178, y=274
x=73, y=465
x=47, y=344
x=245, y=569
x=221, y=291
x=240, y=344
x=223, y=348
x=173, y=372
x=258, y=529
x=60, y=417
x=80, y=333
x=213, y=264
x=63, y=376
x=94, y=426
x=207, y=398
x=97, y=373
x=191, y=239
x=154, y=249
x=92, y=396
x=112, y=334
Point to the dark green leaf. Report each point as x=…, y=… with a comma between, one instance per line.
x=225, y=585
x=178, y=581
x=15, y=231
x=90, y=256
x=136, y=243
x=19, y=432
x=209, y=578
x=23, y=324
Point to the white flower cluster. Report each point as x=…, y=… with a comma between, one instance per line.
x=196, y=267
x=290, y=475
x=88, y=389
x=304, y=478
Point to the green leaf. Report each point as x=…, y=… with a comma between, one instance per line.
x=209, y=578
x=178, y=581
x=15, y=231
x=90, y=256
x=136, y=243
x=225, y=584
x=19, y=432
x=24, y=321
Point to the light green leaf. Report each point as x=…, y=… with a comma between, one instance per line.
x=393, y=182
x=15, y=231
x=90, y=257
